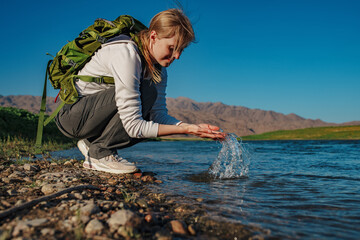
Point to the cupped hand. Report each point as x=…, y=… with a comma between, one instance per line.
x=205, y=131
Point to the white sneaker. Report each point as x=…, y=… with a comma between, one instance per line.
x=111, y=164
x=84, y=149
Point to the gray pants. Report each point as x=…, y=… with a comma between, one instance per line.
x=95, y=119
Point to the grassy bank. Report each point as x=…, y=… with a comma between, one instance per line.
x=320, y=133
x=18, y=133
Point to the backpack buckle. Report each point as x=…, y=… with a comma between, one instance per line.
x=99, y=80
x=100, y=39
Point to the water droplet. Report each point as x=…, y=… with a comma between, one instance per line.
x=233, y=160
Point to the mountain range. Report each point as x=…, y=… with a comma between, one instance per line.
x=235, y=119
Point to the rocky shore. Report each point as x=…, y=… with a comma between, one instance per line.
x=62, y=200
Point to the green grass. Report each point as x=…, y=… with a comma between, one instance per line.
x=18, y=133
x=319, y=133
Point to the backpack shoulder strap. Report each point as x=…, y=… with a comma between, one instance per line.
x=40, y=128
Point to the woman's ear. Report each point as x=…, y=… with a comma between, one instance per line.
x=153, y=35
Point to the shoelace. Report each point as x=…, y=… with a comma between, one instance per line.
x=119, y=159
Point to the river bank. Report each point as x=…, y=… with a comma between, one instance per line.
x=99, y=205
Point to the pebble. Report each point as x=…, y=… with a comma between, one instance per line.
x=19, y=228
x=19, y=202
x=6, y=180
x=191, y=230
x=137, y=175
x=51, y=188
x=94, y=227
x=147, y=178
x=148, y=218
x=31, y=167
x=28, y=179
x=47, y=231
x=78, y=195
x=12, y=192
x=5, y=203
x=123, y=217
x=127, y=232
x=89, y=209
x=68, y=164
x=24, y=226
x=142, y=203
x=36, y=222
x=16, y=174
x=67, y=225
x=163, y=234
x=178, y=227
x=113, y=181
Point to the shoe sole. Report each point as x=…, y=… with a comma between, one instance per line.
x=98, y=167
x=83, y=147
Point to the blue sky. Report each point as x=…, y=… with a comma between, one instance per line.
x=289, y=56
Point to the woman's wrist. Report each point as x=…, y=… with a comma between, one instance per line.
x=184, y=126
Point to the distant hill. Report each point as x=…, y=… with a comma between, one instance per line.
x=236, y=119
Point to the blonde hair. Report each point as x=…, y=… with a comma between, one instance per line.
x=166, y=24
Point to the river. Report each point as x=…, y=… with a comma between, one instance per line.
x=296, y=189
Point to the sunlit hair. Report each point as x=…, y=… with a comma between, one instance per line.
x=167, y=24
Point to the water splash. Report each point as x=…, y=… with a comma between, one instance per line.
x=233, y=160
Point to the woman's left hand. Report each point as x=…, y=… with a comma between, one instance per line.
x=214, y=129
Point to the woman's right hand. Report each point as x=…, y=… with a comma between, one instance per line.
x=203, y=130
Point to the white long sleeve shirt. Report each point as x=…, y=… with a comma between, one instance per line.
x=120, y=59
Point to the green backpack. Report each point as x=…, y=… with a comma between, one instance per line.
x=62, y=70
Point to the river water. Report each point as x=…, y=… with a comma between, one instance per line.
x=296, y=189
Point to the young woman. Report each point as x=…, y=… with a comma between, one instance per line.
x=111, y=117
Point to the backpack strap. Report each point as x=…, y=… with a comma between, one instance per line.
x=103, y=79
x=40, y=128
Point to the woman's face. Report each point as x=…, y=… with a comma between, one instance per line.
x=162, y=49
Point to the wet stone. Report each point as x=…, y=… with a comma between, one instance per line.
x=149, y=218
x=142, y=203
x=147, y=178
x=137, y=175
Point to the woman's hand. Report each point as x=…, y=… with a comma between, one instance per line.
x=203, y=130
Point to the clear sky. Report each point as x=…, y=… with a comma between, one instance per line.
x=289, y=56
